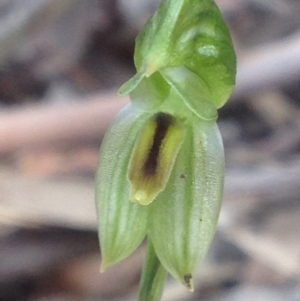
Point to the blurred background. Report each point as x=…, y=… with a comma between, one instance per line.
x=61, y=63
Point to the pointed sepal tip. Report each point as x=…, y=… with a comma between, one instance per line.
x=189, y=282
x=103, y=267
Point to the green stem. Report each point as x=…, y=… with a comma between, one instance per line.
x=153, y=277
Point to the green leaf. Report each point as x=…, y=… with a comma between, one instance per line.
x=122, y=224
x=183, y=218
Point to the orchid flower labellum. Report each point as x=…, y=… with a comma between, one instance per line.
x=161, y=167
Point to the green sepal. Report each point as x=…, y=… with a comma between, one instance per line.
x=183, y=218
x=151, y=92
x=131, y=84
x=153, y=277
x=122, y=224
x=192, y=34
x=192, y=90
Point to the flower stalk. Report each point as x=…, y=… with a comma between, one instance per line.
x=153, y=277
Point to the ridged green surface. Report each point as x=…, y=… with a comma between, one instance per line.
x=183, y=218
x=122, y=224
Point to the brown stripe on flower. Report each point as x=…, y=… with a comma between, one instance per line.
x=163, y=122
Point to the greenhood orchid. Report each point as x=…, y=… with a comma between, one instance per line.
x=161, y=167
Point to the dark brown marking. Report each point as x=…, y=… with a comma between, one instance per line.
x=183, y=176
x=187, y=279
x=163, y=122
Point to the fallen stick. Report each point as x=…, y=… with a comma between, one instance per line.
x=49, y=124
x=270, y=252
x=275, y=64
x=263, y=68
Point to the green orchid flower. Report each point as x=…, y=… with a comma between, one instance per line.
x=161, y=167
